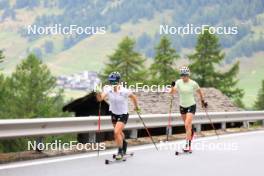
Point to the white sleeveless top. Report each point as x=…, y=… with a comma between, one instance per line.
x=118, y=100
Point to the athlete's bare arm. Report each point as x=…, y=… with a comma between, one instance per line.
x=100, y=96
x=133, y=98
x=200, y=93
x=173, y=90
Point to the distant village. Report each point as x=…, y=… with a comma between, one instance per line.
x=85, y=80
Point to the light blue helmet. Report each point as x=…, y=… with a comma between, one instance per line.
x=185, y=71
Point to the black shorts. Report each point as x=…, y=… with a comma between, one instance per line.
x=119, y=118
x=190, y=109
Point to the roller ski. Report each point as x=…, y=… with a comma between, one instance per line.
x=124, y=151
x=117, y=158
x=184, y=151
x=121, y=156
x=187, y=149
x=130, y=154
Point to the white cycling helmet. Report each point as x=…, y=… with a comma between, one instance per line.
x=185, y=71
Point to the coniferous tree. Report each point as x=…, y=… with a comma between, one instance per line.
x=163, y=70
x=3, y=94
x=259, y=104
x=2, y=86
x=32, y=91
x=28, y=93
x=207, y=55
x=129, y=63
x=1, y=56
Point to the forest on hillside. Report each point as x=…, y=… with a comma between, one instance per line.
x=113, y=14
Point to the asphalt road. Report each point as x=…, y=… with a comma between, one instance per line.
x=237, y=154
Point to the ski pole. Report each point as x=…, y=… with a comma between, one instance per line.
x=147, y=130
x=207, y=115
x=169, y=119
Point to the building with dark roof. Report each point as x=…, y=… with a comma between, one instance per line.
x=159, y=102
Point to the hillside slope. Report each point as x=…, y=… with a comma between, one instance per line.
x=130, y=18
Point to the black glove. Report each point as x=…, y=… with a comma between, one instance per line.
x=172, y=83
x=204, y=104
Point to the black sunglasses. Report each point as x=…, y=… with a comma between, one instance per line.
x=184, y=75
x=113, y=82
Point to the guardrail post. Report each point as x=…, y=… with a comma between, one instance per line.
x=246, y=124
x=133, y=134
x=223, y=126
x=169, y=130
x=92, y=136
x=198, y=127
x=39, y=140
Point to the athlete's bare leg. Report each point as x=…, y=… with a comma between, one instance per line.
x=188, y=126
x=118, y=134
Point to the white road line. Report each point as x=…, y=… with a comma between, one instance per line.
x=108, y=152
